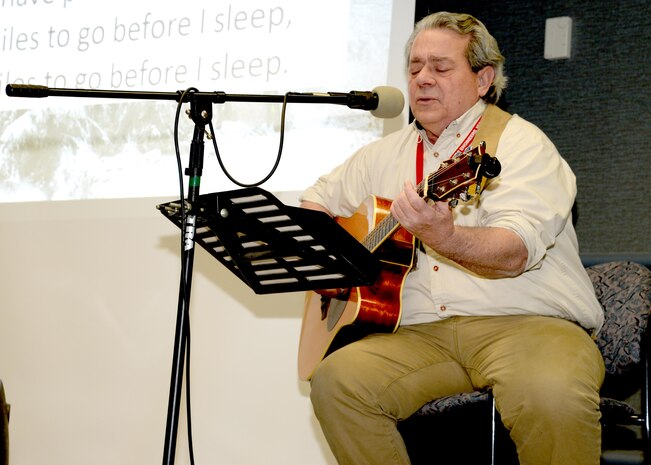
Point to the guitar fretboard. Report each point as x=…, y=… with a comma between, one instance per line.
x=387, y=226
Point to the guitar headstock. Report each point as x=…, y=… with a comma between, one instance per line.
x=461, y=177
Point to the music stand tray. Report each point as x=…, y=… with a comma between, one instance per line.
x=274, y=247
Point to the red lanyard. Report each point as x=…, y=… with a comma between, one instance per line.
x=420, y=155
x=420, y=151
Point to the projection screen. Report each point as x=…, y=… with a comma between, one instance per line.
x=61, y=148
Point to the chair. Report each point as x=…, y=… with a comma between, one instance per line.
x=624, y=290
x=4, y=427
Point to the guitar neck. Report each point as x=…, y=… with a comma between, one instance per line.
x=387, y=226
x=380, y=233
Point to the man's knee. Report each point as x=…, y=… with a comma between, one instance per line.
x=564, y=395
x=335, y=380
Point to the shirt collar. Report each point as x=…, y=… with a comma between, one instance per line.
x=462, y=124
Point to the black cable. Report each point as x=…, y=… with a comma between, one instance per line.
x=278, y=156
x=179, y=165
x=183, y=283
x=187, y=396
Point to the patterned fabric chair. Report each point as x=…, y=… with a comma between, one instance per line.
x=624, y=291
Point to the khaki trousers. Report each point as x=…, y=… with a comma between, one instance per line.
x=545, y=374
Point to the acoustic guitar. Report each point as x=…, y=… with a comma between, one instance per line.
x=336, y=317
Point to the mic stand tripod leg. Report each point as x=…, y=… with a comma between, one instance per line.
x=200, y=112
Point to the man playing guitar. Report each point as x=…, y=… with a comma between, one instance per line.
x=495, y=296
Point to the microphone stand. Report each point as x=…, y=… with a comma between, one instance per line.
x=201, y=115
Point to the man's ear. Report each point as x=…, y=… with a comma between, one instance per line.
x=485, y=77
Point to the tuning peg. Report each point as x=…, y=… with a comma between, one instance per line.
x=453, y=203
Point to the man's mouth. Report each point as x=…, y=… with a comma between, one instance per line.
x=425, y=99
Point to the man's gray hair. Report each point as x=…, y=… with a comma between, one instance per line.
x=482, y=48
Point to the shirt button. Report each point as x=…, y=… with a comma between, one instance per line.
x=458, y=135
x=436, y=154
x=435, y=267
x=443, y=308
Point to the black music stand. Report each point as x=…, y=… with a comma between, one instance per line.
x=270, y=246
x=273, y=247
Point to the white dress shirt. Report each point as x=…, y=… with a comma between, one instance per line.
x=532, y=196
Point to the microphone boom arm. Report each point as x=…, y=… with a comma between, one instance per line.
x=354, y=99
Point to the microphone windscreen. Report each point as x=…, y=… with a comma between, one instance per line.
x=390, y=102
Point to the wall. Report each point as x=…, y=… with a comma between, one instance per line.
x=89, y=308
x=594, y=106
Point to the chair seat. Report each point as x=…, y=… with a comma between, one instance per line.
x=612, y=410
x=445, y=404
x=619, y=412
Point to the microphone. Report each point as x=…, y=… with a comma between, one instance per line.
x=390, y=102
x=382, y=102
